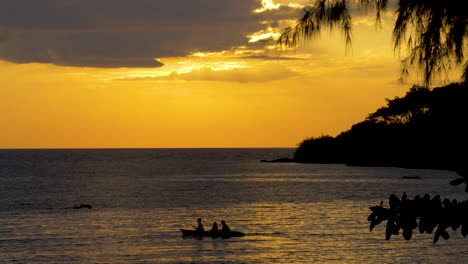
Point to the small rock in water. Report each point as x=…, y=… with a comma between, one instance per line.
x=411, y=177
x=83, y=206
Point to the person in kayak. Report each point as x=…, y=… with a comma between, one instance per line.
x=199, y=228
x=225, y=227
x=214, y=228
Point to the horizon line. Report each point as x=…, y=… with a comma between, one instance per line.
x=136, y=148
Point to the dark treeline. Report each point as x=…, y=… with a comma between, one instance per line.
x=424, y=129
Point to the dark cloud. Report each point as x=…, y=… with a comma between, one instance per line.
x=122, y=33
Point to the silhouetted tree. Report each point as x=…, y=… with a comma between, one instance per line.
x=424, y=129
x=402, y=110
x=326, y=150
x=434, y=31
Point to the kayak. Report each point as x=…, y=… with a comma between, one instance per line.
x=194, y=233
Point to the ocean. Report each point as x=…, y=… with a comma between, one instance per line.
x=290, y=213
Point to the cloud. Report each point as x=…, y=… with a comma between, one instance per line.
x=121, y=33
x=269, y=72
x=75, y=50
x=267, y=5
x=272, y=58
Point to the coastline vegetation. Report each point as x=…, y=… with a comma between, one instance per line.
x=424, y=129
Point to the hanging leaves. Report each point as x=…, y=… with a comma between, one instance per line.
x=432, y=214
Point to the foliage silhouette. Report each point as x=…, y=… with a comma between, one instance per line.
x=404, y=214
x=434, y=31
x=424, y=129
x=432, y=213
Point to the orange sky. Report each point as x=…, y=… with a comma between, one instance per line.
x=220, y=98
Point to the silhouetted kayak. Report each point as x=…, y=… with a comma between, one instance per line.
x=194, y=233
x=411, y=177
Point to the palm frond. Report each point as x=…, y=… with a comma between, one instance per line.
x=433, y=31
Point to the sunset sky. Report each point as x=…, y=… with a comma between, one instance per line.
x=181, y=73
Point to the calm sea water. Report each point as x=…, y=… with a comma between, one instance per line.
x=291, y=213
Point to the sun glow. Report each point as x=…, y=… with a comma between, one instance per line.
x=262, y=35
x=208, y=54
x=244, y=95
x=267, y=5
x=296, y=5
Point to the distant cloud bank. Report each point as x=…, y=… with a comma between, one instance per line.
x=122, y=33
